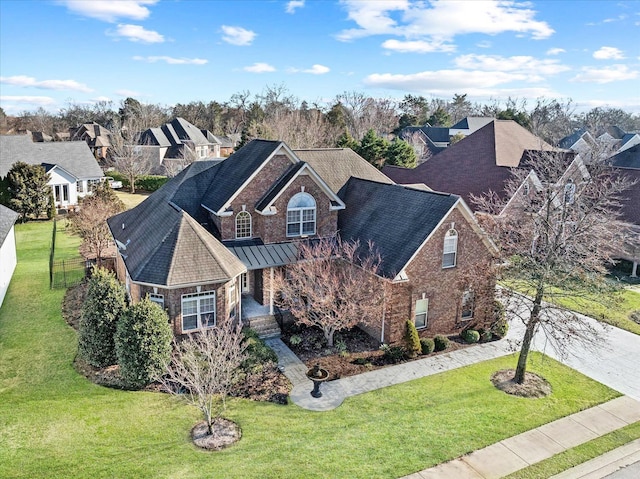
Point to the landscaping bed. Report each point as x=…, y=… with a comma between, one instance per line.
x=354, y=351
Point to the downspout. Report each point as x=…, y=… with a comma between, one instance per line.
x=384, y=311
x=239, y=297
x=271, y=291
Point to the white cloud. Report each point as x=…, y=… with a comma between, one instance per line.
x=417, y=46
x=128, y=93
x=533, y=67
x=25, y=81
x=137, y=33
x=555, y=51
x=608, y=53
x=16, y=104
x=109, y=10
x=605, y=75
x=484, y=44
x=172, y=60
x=101, y=98
x=237, y=35
x=293, y=4
x=442, y=80
x=441, y=20
x=259, y=68
x=314, y=70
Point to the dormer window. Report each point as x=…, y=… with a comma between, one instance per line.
x=450, y=249
x=301, y=215
x=243, y=225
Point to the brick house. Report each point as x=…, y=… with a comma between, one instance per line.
x=206, y=245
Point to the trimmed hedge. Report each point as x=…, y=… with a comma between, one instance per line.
x=105, y=302
x=470, y=336
x=441, y=342
x=149, y=183
x=143, y=343
x=428, y=346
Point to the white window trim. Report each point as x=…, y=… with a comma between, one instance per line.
x=426, y=314
x=233, y=301
x=157, y=298
x=569, y=192
x=199, y=296
x=244, y=213
x=300, y=217
x=450, y=246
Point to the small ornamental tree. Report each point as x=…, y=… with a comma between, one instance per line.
x=401, y=153
x=412, y=339
x=29, y=189
x=105, y=301
x=143, y=343
x=204, y=367
x=332, y=286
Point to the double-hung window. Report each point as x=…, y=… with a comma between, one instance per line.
x=233, y=301
x=157, y=298
x=301, y=215
x=450, y=249
x=198, y=310
x=422, y=307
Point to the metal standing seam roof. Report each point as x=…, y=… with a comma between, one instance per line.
x=259, y=256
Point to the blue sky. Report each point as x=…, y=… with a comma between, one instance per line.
x=170, y=51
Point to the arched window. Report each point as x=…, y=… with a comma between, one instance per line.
x=243, y=225
x=450, y=249
x=301, y=215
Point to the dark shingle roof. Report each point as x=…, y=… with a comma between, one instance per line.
x=8, y=218
x=629, y=158
x=279, y=185
x=478, y=163
x=336, y=165
x=237, y=169
x=74, y=157
x=397, y=219
x=164, y=241
x=570, y=140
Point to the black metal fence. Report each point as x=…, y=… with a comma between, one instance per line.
x=65, y=273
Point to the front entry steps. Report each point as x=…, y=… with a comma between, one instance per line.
x=266, y=326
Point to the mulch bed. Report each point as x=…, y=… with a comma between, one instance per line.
x=354, y=351
x=534, y=386
x=225, y=433
x=263, y=384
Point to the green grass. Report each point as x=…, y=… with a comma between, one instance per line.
x=615, y=313
x=55, y=423
x=131, y=200
x=579, y=454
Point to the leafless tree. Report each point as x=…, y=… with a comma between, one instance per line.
x=556, y=239
x=90, y=221
x=332, y=285
x=126, y=154
x=172, y=166
x=204, y=366
x=419, y=145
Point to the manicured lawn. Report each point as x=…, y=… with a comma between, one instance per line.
x=131, y=200
x=577, y=455
x=54, y=423
x=615, y=313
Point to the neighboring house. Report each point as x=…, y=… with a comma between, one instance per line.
x=8, y=258
x=627, y=162
x=226, y=144
x=180, y=141
x=97, y=137
x=207, y=244
x=580, y=141
x=479, y=163
x=71, y=166
x=469, y=125
x=434, y=139
x=618, y=139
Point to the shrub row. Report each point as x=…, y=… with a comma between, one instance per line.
x=145, y=182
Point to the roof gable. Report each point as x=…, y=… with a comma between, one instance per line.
x=8, y=217
x=396, y=219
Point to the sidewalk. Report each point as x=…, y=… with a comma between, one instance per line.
x=518, y=452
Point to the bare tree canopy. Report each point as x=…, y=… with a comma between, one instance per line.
x=332, y=286
x=556, y=238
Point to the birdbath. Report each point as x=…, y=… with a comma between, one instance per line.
x=318, y=376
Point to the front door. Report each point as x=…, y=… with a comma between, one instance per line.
x=257, y=281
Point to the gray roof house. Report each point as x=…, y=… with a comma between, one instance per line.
x=207, y=244
x=72, y=167
x=8, y=258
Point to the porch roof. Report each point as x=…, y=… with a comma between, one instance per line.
x=256, y=255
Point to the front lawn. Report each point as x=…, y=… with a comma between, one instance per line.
x=55, y=423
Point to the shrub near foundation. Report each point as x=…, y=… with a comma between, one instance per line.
x=412, y=339
x=470, y=336
x=441, y=342
x=428, y=346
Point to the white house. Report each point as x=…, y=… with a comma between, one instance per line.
x=8, y=258
x=71, y=166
